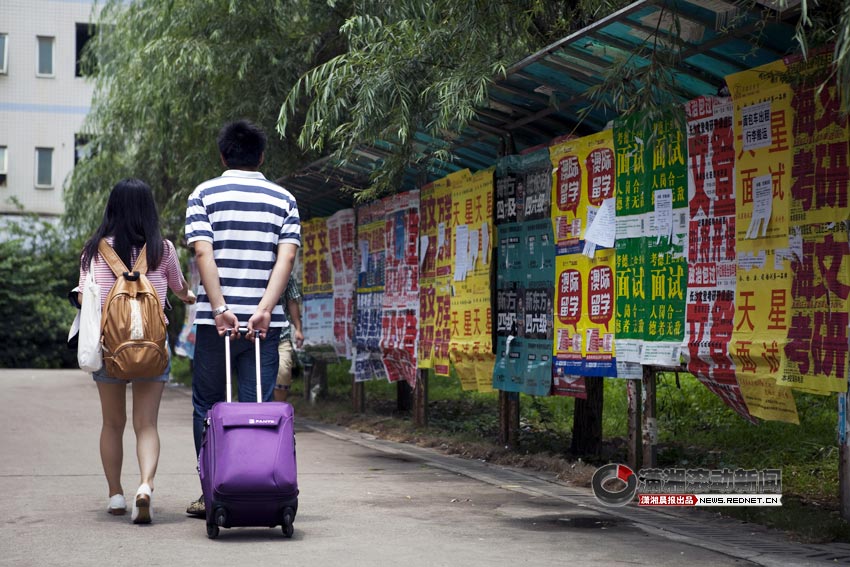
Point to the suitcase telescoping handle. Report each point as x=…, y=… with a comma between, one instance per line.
x=242, y=331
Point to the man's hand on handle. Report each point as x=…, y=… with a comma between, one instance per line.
x=259, y=321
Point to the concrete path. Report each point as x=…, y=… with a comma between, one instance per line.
x=363, y=502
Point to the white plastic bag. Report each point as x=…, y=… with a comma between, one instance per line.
x=89, y=355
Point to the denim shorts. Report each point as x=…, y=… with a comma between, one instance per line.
x=100, y=375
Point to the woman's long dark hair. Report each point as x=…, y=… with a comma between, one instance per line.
x=131, y=219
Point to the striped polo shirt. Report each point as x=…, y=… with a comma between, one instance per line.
x=245, y=217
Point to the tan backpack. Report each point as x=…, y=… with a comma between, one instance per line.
x=132, y=327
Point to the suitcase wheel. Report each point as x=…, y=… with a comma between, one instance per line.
x=212, y=531
x=220, y=517
x=286, y=527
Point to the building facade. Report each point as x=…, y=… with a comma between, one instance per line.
x=43, y=100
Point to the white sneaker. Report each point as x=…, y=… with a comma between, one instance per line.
x=117, y=505
x=142, y=509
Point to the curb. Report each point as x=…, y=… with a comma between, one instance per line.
x=740, y=540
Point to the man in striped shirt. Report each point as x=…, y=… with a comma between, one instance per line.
x=245, y=231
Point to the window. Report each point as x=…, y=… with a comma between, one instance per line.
x=4, y=41
x=44, y=167
x=4, y=165
x=45, y=56
x=85, y=32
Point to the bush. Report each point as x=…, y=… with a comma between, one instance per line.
x=38, y=266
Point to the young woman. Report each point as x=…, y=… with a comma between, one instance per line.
x=130, y=222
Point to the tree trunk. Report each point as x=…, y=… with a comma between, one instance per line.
x=587, y=420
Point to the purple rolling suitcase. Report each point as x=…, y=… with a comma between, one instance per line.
x=247, y=462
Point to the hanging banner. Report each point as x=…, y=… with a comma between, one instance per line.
x=317, y=288
x=400, y=316
x=631, y=203
x=445, y=265
x=583, y=178
x=817, y=338
x=471, y=349
x=666, y=261
x=341, y=242
x=712, y=264
x=763, y=139
x=371, y=252
x=819, y=170
x=427, y=273
x=762, y=321
x=318, y=277
x=584, y=318
x=525, y=296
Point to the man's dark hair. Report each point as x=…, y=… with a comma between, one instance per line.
x=241, y=144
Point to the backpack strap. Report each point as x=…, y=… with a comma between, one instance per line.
x=117, y=265
x=107, y=253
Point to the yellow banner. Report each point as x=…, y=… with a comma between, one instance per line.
x=471, y=343
x=817, y=347
x=583, y=178
x=318, y=273
x=767, y=400
x=584, y=315
x=761, y=323
x=444, y=266
x=821, y=162
x=763, y=145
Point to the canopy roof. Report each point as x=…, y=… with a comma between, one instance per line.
x=542, y=96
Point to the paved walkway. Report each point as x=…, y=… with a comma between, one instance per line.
x=363, y=502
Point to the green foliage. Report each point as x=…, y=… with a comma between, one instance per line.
x=38, y=266
x=414, y=66
x=170, y=74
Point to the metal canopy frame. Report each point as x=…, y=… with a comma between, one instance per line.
x=545, y=95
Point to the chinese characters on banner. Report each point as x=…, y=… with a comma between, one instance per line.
x=762, y=317
x=584, y=315
x=525, y=271
x=631, y=204
x=819, y=169
x=666, y=246
x=583, y=178
x=368, y=359
x=400, y=313
x=427, y=273
x=471, y=348
x=820, y=289
x=444, y=267
x=584, y=286
x=652, y=232
x=712, y=261
x=817, y=339
x=763, y=122
x=318, y=300
x=341, y=242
